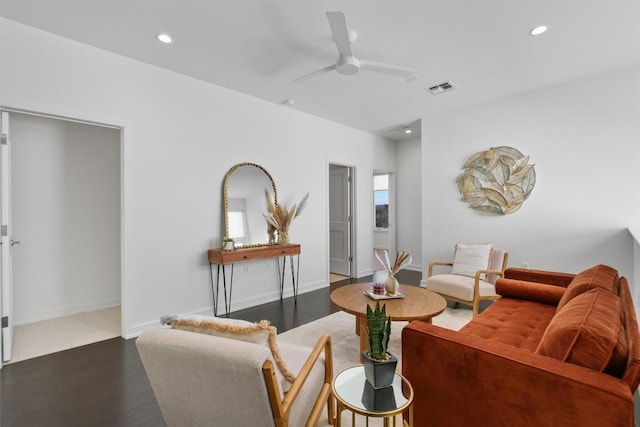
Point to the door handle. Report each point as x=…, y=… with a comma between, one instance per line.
x=16, y=242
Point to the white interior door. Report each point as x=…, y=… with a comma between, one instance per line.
x=5, y=239
x=339, y=220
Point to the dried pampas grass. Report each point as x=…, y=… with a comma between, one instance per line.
x=279, y=218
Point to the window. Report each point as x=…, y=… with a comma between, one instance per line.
x=381, y=200
x=236, y=226
x=237, y=216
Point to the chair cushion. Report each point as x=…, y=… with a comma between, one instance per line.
x=460, y=287
x=469, y=259
x=599, y=276
x=261, y=333
x=585, y=331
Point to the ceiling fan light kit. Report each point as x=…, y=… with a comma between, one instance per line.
x=347, y=63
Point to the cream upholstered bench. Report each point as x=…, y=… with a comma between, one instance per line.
x=204, y=380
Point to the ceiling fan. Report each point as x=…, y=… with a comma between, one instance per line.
x=347, y=63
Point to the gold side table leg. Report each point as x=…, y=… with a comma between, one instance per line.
x=410, y=415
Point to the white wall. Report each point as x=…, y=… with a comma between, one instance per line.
x=66, y=212
x=408, y=192
x=582, y=137
x=181, y=136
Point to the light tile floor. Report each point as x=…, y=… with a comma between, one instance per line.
x=50, y=336
x=336, y=277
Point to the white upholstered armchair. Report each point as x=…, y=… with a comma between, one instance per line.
x=204, y=380
x=472, y=274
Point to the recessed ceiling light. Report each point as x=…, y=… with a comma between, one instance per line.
x=407, y=131
x=164, y=38
x=538, y=30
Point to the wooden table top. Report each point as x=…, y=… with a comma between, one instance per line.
x=418, y=303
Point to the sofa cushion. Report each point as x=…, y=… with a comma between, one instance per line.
x=530, y=291
x=618, y=362
x=585, y=331
x=261, y=333
x=599, y=276
x=514, y=322
x=469, y=259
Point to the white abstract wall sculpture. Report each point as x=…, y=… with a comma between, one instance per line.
x=497, y=181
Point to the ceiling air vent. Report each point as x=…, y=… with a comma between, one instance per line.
x=440, y=88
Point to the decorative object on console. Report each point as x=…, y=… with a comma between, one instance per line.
x=279, y=218
x=243, y=189
x=227, y=244
x=497, y=181
x=402, y=260
x=379, y=364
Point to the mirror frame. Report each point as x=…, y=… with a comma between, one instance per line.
x=226, y=199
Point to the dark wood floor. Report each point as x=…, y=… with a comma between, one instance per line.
x=104, y=384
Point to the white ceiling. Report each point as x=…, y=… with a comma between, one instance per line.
x=259, y=47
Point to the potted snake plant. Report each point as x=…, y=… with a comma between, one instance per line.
x=379, y=364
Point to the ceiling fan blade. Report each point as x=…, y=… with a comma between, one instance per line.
x=380, y=67
x=338, y=25
x=316, y=73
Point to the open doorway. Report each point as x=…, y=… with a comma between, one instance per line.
x=340, y=222
x=384, y=217
x=66, y=211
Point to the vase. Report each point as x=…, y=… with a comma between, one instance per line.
x=283, y=237
x=391, y=285
x=379, y=374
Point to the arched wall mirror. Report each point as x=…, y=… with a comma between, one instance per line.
x=244, y=204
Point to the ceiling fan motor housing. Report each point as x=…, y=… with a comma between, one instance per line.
x=348, y=65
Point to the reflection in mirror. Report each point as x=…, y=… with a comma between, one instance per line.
x=244, y=204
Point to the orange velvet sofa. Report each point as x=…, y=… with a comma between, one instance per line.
x=556, y=349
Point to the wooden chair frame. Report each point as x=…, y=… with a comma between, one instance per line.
x=475, y=302
x=282, y=408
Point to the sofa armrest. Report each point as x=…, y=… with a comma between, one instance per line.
x=460, y=379
x=530, y=291
x=539, y=276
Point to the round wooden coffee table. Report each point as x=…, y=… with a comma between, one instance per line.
x=417, y=304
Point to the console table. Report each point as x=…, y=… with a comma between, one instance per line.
x=222, y=259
